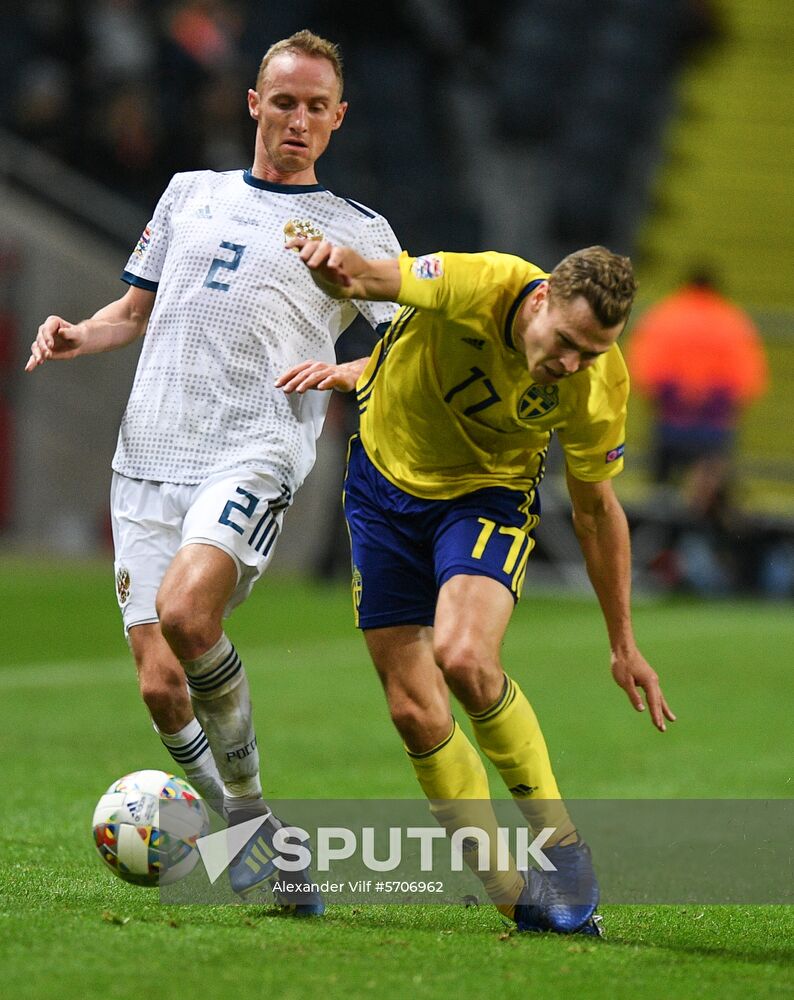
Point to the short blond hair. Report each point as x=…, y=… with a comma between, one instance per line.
x=309, y=44
x=604, y=279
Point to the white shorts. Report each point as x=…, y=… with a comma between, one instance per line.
x=239, y=512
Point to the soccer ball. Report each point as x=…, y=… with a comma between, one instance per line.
x=142, y=842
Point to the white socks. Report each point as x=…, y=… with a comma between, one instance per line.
x=191, y=750
x=222, y=703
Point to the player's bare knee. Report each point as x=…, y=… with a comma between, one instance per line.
x=469, y=672
x=407, y=716
x=185, y=628
x=156, y=695
x=176, y=623
x=165, y=695
x=460, y=661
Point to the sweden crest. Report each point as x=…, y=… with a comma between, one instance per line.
x=537, y=401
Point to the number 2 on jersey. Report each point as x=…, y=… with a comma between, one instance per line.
x=264, y=532
x=219, y=263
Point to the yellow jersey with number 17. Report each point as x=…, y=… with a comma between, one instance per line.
x=447, y=403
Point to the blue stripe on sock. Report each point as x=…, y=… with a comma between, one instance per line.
x=216, y=679
x=182, y=747
x=216, y=671
x=185, y=755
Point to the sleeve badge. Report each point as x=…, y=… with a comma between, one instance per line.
x=427, y=268
x=143, y=243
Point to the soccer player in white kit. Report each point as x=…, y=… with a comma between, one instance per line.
x=210, y=453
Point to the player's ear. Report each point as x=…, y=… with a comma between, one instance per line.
x=539, y=296
x=253, y=104
x=341, y=108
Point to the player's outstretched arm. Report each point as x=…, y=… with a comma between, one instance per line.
x=344, y=274
x=319, y=375
x=113, y=326
x=601, y=527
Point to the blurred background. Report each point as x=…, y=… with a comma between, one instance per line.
x=661, y=128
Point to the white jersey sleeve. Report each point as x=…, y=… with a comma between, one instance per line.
x=376, y=241
x=233, y=310
x=146, y=262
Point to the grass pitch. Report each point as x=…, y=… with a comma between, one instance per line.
x=72, y=723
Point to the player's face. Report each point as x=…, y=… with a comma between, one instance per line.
x=296, y=110
x=562, y=338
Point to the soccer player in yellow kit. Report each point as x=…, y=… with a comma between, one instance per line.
x=486, y=358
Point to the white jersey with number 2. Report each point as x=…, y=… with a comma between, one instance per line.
x=234, y=309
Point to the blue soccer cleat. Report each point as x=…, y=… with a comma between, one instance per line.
x=563, y=901
x=254, y=871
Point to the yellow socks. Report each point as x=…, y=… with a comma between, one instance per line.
x=453, y=778
x=510, y=737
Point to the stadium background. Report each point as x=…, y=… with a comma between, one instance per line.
x=664, y=130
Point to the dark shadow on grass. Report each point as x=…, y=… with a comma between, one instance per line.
x=474, y=921
x=756, y=956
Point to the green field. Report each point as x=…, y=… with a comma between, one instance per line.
x=72, y=723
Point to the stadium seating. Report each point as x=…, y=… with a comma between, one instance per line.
x=723, y=195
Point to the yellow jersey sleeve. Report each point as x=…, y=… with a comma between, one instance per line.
x=594, y=435
x=464, y=286
x=422, y=283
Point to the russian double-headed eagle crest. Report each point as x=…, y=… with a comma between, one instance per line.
x=123, y=585
x=303, y=228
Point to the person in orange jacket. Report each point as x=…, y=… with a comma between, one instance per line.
x=700, y=361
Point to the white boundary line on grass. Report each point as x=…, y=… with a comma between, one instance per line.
x=121, y=670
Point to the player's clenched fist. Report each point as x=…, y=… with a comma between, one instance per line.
x=343, y=273
x=57, y=339
x=333, y=268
